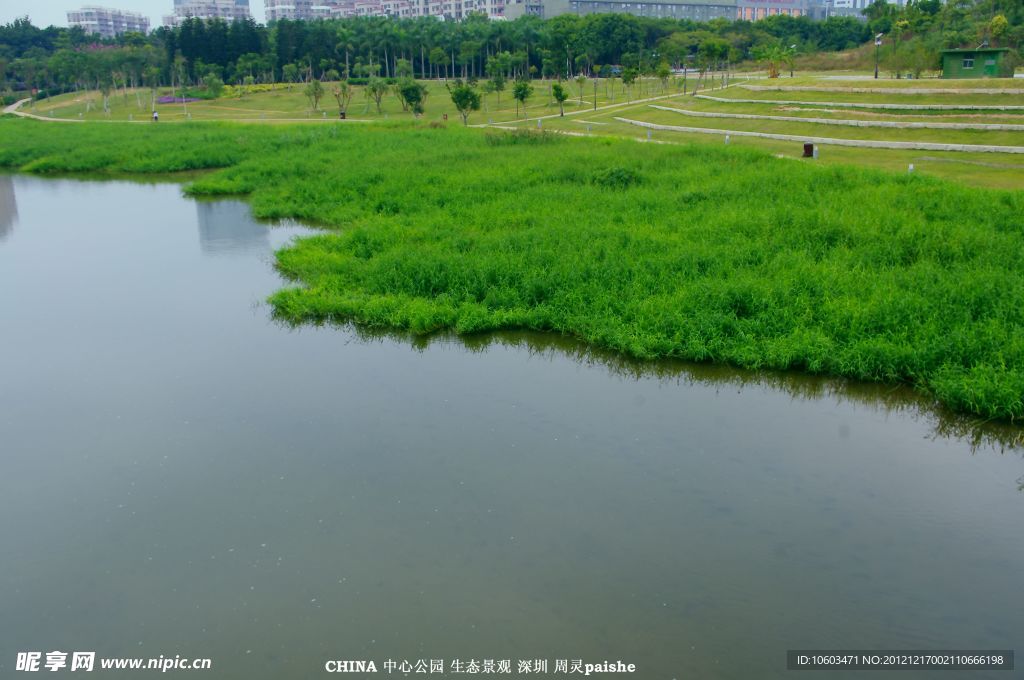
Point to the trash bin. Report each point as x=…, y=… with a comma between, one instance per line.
x=808, y=150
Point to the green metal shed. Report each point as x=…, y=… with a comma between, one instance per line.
x=981, y=62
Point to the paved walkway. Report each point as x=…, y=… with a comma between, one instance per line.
x=908, y=125
x=885, y=90
x=863, y=143
x=865, y=105
x=15, y=109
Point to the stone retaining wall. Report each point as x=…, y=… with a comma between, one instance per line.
x=884, y=90
x=864, y=143
x=849, y=123
x=865, y=105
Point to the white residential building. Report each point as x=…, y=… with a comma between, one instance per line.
x=108, y=22
x=332, y=9
x=290, y=9
x=855, y=8
x=228, y=10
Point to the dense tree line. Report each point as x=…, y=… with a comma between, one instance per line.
x=292, y=51
x=564, y=46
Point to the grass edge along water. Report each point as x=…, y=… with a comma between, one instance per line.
x=697, y=252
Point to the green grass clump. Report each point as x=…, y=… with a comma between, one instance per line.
x=701, y=252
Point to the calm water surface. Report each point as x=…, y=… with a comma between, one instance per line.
x=181, y=475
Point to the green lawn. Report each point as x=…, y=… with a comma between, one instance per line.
x=704, y=252
x=998, y=170
x=287, y=104
x=290, y=104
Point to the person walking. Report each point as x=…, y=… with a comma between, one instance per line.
x=156, y=116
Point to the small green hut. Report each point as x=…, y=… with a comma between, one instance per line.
x=981, y=62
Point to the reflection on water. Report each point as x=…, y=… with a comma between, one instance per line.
x=181, y=474
x=227, y=227
x=8, y=206
x=895, y=399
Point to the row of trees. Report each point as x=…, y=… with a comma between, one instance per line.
x=465, y=95
x=296, y=51
x=562, y=47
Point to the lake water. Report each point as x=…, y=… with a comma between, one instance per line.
x=181, y=475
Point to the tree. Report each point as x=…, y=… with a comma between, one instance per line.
x=248, y=64
x=439, y=60
x=581, y=80
x=877, y=10
x=314, y=92
x=345, y=45
x=771, y=56
x=563, y=47
x=465, y=98
x=414, y=94
x=214, y=85
x=498, y=84
x=180, y=71
x=487, y=88
x=376, y=90
x=998, y=27
x=913, y=55
x=290, y=73
x=922, y=57
x=152, y=77
x=629, y=76
x=521, y=91
x=713, y=51
x=343, y=93
x=789, y=59
x=560, y=94
x=105, y=86
x=663, y=73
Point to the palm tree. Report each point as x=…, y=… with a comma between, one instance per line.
x=772, y=56
x=345, y=44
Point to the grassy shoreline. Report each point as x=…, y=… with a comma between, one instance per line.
x=697, y=252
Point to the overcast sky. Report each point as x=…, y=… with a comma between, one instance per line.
x=47, y=12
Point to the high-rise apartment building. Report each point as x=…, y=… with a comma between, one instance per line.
x=228, y=10
x=331, y=9
x=107, y=22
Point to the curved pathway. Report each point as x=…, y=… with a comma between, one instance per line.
x=864, y=143
x=15, y=110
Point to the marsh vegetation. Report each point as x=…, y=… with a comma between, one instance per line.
x=706, y=253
